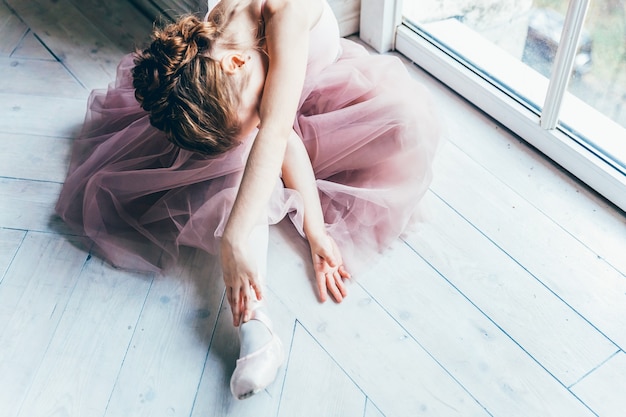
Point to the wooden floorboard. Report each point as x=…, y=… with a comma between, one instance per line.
x=507, y=299
x=603, y=390
x=29, y=76
x=42, y=116
x=36, y=158
x=585, y=215
x=124, y=26
x=10, y=241
x=34, y=295
x=186, y=306
x=341, y=397
x=520, y=305
x=29, y=205
x=12, y=30
x=579, y=276
x=478, y=352
x=94, y=331
x=30, y=47
x=75, y=41
x=368, y=343
x=371, y=410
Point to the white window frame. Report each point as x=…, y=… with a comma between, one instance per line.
x=381, y=27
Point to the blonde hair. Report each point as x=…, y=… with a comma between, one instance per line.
x=185, y=91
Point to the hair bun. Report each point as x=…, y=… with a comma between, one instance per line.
x=173, y=47
x=184, y=90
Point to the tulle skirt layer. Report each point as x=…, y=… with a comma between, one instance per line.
x=369, y=130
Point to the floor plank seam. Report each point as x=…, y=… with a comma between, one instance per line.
x=504, y=332
x=39, y=134
x=516, y=261
x=428, y=352
x=51, y=339
x=17, y=47
x=368, y=400
x=538, y=209
x=47, y=48
x=17, y=249
x=39, y=181
x=286, y=365
x=208, y=353
x=130, y=339
x=331, y=356
x=582, y=378
x=50, y=50
x=518, y=345
x=49, y=232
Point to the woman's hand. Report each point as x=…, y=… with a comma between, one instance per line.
x=329, y=269
x=327, y=263
x=241, y=280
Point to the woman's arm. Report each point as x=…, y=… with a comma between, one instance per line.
x=297, y=174
x=327, y=263
x=287, y=24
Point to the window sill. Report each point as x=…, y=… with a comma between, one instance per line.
x=522, y=119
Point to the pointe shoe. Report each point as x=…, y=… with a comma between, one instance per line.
x=256, y=371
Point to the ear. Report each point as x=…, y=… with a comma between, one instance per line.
x=233, y=62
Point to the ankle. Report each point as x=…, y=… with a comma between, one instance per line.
x=254, y=334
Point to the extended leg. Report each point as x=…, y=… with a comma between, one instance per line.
x=261, y=352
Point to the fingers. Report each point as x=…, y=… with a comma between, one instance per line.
x=243, y=286
x=234, y=299
x=335, y=286
x=239, y=299
x=257, y=290
x=343, y=273
x=321, y=286
x=332, y=282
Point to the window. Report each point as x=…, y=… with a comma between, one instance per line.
x=552, y=71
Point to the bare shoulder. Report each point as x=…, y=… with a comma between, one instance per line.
x=312, y=9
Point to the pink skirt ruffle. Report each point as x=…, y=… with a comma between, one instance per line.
x=369, y=129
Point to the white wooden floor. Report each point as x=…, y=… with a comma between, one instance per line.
x=508, y=300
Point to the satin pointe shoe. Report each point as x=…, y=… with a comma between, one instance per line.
x=257, y=370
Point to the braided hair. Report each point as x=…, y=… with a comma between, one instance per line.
x=185, y=91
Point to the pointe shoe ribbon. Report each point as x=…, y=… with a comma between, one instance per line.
x=254, y=372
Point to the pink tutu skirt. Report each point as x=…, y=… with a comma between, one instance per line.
x=369, y=129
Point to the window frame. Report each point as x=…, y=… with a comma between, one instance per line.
x=382, y=28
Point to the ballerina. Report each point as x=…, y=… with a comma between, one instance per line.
x=223, y=126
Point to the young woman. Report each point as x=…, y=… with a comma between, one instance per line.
x=223, y=126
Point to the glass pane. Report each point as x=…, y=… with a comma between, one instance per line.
x=599, y=81
x=511, y=42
